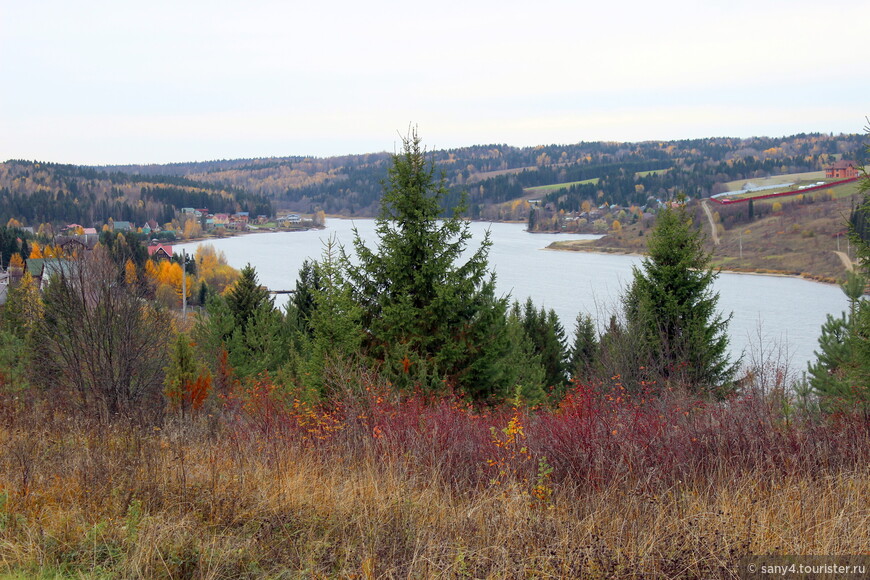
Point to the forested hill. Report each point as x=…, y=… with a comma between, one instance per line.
x=494, y=174
x=601, y=172
x=34, y=193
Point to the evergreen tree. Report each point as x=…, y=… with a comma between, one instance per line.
x=527, y=372
x=840, y=375
x=246, y=297
x=24, y=307
x=671, y=307
x=548, y=340
x=245, y=323
x=181, y=372
x=584, y=351
x=425, y=313
x=263, y=343
x=333, y=321
x=302, y=302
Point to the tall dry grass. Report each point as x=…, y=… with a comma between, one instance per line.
x=376, y=486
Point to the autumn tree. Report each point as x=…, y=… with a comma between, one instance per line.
x=102, y=343
x=24, y=307
x=187, y=383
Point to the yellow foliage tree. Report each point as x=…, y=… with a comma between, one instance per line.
x=13, y=223
x=130, y=272
x=213, y=269
x=151, y=270
x=16, y=261
x=169, y=274
x=35, y=251
x=319, y=218
x=616, y=226
x=192, y=229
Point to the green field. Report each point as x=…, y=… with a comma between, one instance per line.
x=650, y=172
x=545, y=189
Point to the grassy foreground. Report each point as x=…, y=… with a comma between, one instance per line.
x=377, y=486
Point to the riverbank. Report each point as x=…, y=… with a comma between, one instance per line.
x=237, y=234
x=808, y=241
x=591, y=247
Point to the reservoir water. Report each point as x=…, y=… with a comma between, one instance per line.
x=772, y=316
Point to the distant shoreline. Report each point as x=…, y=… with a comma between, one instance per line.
x=579, y=247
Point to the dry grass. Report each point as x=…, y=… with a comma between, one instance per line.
x=404, y=488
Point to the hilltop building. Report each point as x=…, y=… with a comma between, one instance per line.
x=842, y=170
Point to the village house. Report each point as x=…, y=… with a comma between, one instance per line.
x=42, y=269
x=160, y=252
x=72, y=245
x=292, y=218
x=842, y=170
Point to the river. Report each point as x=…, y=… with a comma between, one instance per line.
x=773, y=316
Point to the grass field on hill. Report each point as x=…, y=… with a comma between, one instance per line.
x=545, y=189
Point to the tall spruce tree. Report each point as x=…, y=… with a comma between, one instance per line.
x=672, y=309
x=548, y=339
x=247, y=296
x=430, y=318
x=584, y=351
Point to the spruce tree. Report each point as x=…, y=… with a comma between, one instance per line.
x=548, y=339
x=584, y=351
x=672, y=309
x=247, y=296
x=429, y=316
x=840, y=375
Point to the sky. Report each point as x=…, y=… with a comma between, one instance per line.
x=115, y=82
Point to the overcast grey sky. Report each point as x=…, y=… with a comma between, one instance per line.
x=103, y=82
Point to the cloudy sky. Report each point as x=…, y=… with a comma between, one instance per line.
x=103, y=82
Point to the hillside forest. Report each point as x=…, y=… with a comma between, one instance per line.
x=499, y=180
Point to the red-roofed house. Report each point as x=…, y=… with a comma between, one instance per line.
x=160, y=252
x=842, y=170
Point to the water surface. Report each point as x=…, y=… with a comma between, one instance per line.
x=770, y=314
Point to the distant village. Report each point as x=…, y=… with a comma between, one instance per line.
x=51, y=257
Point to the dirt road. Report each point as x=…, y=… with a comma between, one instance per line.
x=847, y=262
x=712, y=223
